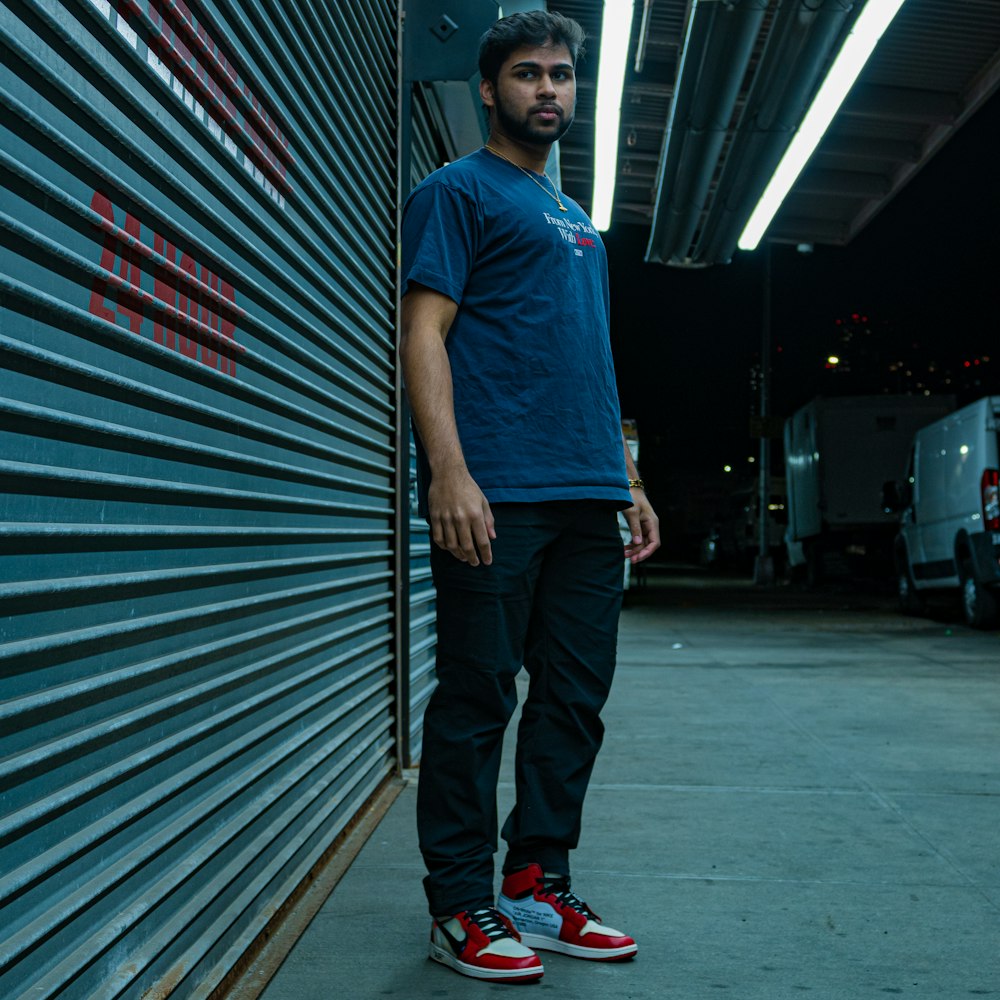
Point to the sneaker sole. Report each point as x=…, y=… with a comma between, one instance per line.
x=539, y=942
x=445, y=957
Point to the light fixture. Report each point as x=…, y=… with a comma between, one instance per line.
x=858, y=46
x=616, y=30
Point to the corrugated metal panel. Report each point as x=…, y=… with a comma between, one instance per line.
x=427, y=153
x=197, y=469
x=937, y=46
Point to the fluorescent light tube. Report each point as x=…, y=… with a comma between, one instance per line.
x=858, y=46
x=616, y=31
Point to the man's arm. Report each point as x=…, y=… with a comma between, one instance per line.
x=460, y=517
x=642, y=520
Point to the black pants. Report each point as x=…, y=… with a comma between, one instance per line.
x=550, y=601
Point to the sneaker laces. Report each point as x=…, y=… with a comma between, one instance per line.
x=558, y=886
x=490, y=922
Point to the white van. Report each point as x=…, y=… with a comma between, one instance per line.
x=949, y=537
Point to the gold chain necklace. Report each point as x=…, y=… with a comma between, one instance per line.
x=553, y=194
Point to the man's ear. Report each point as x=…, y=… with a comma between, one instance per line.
x=486, y=93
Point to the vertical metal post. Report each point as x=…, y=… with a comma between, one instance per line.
x=764, y=566
x=401, y=526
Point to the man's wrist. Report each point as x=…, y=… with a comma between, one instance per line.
x=637, y=484
x=451, y=463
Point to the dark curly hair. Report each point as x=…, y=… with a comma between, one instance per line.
x=535, y=27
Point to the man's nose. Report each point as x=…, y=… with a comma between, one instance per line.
x=546, y=86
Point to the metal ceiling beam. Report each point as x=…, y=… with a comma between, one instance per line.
x=901, y=104
x=843, y=184
x=855, y=149
x=983, y=86
x=790, y=230
x=661, y=91
x=639, y=208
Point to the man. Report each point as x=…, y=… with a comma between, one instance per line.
x=506, y=356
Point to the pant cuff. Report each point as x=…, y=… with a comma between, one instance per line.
x=551, y=859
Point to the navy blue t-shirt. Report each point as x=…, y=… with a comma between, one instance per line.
x=535, y=398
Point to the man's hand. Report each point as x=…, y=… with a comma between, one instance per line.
x=460, y=517
x=643, y=525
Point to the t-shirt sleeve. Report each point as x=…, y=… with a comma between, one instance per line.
x=439, y=239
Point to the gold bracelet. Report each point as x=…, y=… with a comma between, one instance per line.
x=636, y=484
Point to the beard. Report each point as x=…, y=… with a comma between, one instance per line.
x=524, y=131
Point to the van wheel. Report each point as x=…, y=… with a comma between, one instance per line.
x=979, y=605
x=911, y=601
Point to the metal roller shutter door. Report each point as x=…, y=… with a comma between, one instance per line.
x=196, y=323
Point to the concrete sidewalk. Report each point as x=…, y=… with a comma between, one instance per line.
x=797, y=795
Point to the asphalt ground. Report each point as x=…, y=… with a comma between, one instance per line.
x=798, y=796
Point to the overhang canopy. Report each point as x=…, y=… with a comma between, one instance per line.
x=716, y=88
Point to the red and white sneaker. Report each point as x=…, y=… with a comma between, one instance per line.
x=484, y=944
x=552, y=918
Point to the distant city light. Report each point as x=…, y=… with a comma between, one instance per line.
x=727, y=468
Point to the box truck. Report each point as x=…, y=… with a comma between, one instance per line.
x=839, y=451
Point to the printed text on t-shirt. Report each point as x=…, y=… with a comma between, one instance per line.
x=570, y=231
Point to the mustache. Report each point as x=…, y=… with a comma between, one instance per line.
x=554, y=108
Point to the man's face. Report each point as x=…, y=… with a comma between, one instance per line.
x=534, y=98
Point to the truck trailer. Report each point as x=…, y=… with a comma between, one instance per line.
x=839, y=451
